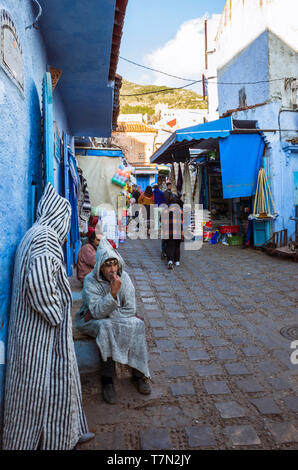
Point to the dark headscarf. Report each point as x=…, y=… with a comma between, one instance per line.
x=148, y=191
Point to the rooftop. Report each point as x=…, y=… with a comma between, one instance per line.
x=135, y=127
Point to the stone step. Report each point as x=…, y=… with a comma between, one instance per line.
x=87, y=355
x=85, y=347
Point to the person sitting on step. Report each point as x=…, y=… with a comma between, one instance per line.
x=108, y=314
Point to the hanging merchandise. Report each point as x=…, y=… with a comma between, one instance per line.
x=132, y=179
x=173, y=180
x=126, y=193
x=107, y=223
x=197, y=187
x=122, y=175
x=186, y=190
x=179, y=179
x=263, y=206
x=198, y=216
x=84, y=204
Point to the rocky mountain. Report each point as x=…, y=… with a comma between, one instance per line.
x=181, y=99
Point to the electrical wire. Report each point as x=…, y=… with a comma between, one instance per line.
x=190, y=80
x=247, y=83
x=200, y=81
x=158, y=71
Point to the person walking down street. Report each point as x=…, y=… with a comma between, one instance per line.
x=108, y=314
x=87, y=256
x=163, y=185
x=159, y=199
x=168, y=193
x=135, y=196
x=174, y=237
x=159, y=196
x=43, y=403
x=135, y=192
x=147, y=199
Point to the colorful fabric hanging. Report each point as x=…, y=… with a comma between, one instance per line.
x=263, y=205
x=186, y=190
x=197, y=188
x=179, y=179
x=173, y=179
x=84, y=204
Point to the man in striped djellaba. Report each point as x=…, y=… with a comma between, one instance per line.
x=43, y=403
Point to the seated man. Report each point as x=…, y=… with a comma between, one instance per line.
x=108, y=314
x=87, y=256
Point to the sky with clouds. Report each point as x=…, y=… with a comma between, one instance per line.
x=167, y=35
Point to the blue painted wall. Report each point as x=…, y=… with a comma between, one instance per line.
x=266, y=58
x=280, y=167
x=20, y=152
x=20, y=146
x=249, y=66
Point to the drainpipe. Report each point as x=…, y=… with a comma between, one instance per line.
x=206, y=46
x=282, y=110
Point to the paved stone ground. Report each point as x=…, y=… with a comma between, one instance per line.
x=221, y=371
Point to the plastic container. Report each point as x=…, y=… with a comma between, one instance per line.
x=215, y=238
x=207, y=231
x=236, y=240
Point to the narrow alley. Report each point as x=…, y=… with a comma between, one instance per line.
x=221, y=371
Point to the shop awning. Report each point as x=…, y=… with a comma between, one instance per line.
x=164, y=168
x=105, y=152
x=240, y=159
x=146, y=170
x=175, y=148
x=241, y=148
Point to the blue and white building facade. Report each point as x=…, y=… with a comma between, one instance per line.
x=257, y=74
x=40, y=42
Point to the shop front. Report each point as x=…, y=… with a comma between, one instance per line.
x=146, y=175
x=109, y=180
x=226, y=156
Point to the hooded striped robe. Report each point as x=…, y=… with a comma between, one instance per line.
x=43, y=406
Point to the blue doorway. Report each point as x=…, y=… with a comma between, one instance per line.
x=143, y=181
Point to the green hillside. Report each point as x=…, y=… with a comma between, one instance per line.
x=181, y=99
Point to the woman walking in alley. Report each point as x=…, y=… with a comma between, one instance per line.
x=174, y=235
x=147, y=199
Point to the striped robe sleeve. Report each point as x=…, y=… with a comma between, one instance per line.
x=42, y=292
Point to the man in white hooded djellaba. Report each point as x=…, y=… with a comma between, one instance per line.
x=108, y=314
x=43, y=402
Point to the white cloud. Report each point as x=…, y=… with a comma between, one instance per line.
x=145, y=79
x=184, y=56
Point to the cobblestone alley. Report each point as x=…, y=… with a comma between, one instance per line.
x=221, y=371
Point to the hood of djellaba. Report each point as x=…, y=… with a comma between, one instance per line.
x=104, y=252
x=54, y=211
